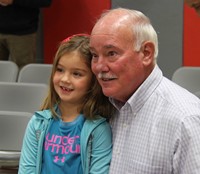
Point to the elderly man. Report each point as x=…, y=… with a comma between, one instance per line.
x=156, y=129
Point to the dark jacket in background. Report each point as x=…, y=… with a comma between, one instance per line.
x=21, y=17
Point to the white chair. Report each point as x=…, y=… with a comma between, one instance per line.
x=22, y=97
x=188, y=77
x=12, y=129
x=8, y=71
x=35, y=73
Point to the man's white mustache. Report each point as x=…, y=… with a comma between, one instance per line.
x=106, y=76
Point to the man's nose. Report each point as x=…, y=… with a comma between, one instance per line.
x=101, y=65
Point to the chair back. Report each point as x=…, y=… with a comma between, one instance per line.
x=22, y=97
x=188, y=77
x=8, y=71
x=197, y=94
x=35, y=73
x=12, y=129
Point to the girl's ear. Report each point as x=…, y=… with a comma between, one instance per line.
x=148, y=50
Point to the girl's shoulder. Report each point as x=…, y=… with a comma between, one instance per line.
x=96, y=125
x=44, y=114
x=95, y=122
x=40, y=117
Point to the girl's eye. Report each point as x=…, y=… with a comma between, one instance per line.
x=59, y=69
x=78, y=74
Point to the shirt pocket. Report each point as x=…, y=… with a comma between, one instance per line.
x=142, y=168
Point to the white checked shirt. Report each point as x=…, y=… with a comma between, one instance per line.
x=157, y=131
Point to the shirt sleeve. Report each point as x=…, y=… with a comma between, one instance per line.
x=187, y=155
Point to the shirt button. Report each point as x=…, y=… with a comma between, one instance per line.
x=124, y=125
x=118, y=152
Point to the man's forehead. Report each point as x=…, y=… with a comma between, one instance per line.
x=101, y=42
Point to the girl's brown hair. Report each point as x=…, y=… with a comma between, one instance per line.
x=95, y=103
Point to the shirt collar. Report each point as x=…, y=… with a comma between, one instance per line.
x=141, y=95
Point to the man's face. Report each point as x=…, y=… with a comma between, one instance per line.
x=118, y=68
x=194, y=4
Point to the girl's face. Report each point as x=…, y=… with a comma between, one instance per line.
x=72, y=78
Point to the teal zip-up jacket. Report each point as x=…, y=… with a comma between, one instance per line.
x=96, y=145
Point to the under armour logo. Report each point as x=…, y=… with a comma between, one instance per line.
x=56, y=159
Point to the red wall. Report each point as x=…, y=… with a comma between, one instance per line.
x=191, y=37
x=66, y=17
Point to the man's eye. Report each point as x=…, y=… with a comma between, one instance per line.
x=112, y=53
x=94, y=55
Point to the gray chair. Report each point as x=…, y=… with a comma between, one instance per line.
x=188, y=77
x=35, y=73
x=197, y=94
x=22, y=97
x=8, y=71
x=12, y=129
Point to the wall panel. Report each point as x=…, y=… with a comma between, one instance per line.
x=66, y=17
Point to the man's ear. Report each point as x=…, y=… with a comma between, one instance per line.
x=148, y=50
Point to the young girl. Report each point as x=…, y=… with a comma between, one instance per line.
x=68, y=135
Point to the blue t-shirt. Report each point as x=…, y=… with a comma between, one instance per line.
x=61, y=152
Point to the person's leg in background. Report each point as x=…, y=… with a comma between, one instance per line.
x=4, y=52
x=22, y=49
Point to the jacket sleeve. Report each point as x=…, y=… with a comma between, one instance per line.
x=32, y=3
x=101, y=149
x=29, y=150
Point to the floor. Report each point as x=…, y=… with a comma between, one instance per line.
x=9, y=166
x=8, y=171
